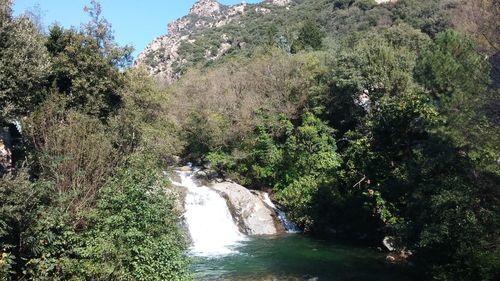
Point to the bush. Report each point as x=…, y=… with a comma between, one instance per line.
x=74, y=150
x=218, y=109
x=144, y=122
x=133, y=233
x=24, y=236
x=310, y=36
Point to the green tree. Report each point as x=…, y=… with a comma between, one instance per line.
x=23, y=207
x=87, y=64
x=5, y=12
x=430, y=16
x=365, y=4
x=265, y=158
x=24, y=64
x=368, y=67
x=143, y=121
x=457, y=78
x=308, y=170
x=133, y=233
x=100, y=30
x=75, y=151
x=310, y=36
x=83, y=73
x=342, y=4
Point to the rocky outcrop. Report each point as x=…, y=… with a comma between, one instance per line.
x=252, y=212
x=206, y=8
x=253, y=216
x=279, y=2
x=397, y=252
x=163, y=59
x=385, y=1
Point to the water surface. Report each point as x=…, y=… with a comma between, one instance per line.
x=295, y=257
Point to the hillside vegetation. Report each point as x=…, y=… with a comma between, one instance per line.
x=82, y=193
x=366, y=121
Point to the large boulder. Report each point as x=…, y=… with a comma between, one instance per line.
x=253, y=216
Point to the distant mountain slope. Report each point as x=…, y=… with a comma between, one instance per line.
x=212, y=31
x=166, y=56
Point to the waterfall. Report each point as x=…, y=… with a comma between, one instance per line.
x=290, y=227
x=211, y=226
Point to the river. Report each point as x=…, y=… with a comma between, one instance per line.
x=295, y=257
x=220, y=251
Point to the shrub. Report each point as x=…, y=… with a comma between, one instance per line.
x=74, y=150
x=134, y=233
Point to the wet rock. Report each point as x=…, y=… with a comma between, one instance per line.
x=207, y=175
x=389, y=243
x=173, y=176
x=253, y=216
x=201, y=174
x=390, y=259
x=399, y=257
x=185, y=169
x=308, y=277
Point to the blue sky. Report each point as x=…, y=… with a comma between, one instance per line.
x=135, y=22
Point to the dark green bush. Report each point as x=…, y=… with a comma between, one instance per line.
x=133, y=232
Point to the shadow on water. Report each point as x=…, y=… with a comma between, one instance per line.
x=296, y=257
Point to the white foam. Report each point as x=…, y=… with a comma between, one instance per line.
x=290, y=227
x=268, y=201
x=211, y=226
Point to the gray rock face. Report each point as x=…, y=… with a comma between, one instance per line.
x=163, y=58
x=254, y=217
x=279, y=2
x=205, y=8
x=385, y=1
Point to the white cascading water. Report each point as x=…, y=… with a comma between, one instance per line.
x=211, y=226
x=290, y=227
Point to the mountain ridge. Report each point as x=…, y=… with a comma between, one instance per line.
x=162, y=59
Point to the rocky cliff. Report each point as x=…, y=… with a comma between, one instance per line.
x=212, y=30
x=164, y=57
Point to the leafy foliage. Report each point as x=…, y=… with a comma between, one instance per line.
x=370, y=120
x=134, y=233
x=382, y=145
x=19, y=211
x=82, y=71
x=310, y=35
x=24, y=63
x=86, y=201
x=143, y=121
x=74, y=150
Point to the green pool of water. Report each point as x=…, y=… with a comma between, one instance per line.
x=296, y=257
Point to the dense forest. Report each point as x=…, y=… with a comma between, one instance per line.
x=366, y=121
